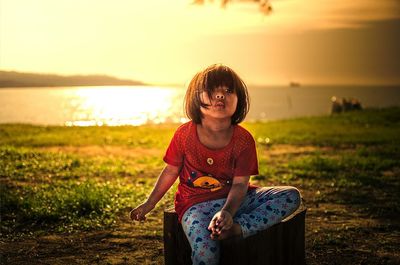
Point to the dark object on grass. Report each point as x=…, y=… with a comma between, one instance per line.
x=344, y=105
x=281, y=244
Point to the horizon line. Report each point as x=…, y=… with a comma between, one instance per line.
x=182, y=84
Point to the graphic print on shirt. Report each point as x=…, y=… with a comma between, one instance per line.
x=204, y=182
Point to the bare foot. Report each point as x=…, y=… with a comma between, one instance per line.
x=235, y=230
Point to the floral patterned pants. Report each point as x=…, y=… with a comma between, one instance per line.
x=261, y=208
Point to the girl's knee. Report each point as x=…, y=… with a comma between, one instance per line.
x=295, y=196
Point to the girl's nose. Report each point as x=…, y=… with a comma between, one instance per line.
x=220, y=95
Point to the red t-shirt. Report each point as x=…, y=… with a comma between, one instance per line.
x=238, y=158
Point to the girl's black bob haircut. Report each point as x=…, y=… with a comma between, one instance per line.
x=207, y=80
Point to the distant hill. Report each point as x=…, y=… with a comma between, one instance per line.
x=17, y=79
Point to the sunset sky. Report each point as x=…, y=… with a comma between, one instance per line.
x=166, y=42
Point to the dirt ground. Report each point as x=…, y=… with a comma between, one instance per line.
x=332, y=237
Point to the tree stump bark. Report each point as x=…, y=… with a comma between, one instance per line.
x=281, y=244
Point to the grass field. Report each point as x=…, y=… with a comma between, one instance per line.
x=66, y=191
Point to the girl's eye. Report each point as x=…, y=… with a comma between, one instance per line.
x=229, y=90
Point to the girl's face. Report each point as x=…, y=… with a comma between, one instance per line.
x=222, y=103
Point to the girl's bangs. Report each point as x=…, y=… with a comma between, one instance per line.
x=219, y=77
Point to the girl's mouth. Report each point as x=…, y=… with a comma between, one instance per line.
x=219, y=104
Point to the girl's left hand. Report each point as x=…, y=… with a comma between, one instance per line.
x=222, y=220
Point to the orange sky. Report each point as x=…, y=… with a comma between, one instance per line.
x=159, y=41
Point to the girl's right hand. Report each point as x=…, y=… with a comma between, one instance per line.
x=139, y=213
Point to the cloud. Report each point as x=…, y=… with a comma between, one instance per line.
x=296, y=15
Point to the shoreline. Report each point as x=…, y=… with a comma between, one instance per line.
x=93, y=123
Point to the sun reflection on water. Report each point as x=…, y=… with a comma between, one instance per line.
x=115, y=106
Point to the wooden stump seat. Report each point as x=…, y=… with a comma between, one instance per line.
x=281, y=244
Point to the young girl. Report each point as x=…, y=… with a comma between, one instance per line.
x=214, y=158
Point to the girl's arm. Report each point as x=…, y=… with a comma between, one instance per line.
x=166, y=179
x=223, y=220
